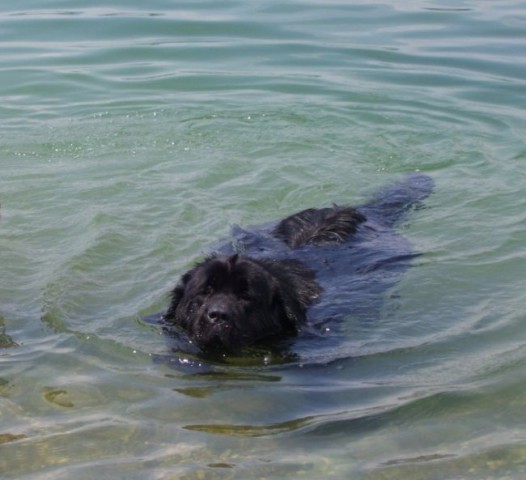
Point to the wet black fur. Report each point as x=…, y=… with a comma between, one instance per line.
x=234, y=301
x=319, y=226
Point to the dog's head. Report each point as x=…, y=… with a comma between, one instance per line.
x=231, y=302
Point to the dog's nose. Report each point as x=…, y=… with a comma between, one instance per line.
x=218, y=312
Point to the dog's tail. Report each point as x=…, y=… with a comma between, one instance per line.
x=391, y=204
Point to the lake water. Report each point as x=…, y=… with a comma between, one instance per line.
x=132, y=136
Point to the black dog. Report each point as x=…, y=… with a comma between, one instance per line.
x=326, y=262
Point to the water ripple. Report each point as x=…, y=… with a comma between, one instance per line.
x=134, y=136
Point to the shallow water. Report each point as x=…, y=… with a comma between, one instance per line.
x=132, y=138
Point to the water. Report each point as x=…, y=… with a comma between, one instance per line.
x=133, y=136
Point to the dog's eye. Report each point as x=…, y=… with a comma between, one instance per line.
x=209, y=290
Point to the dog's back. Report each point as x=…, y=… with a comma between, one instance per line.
x=319, y=226
x=337, y=224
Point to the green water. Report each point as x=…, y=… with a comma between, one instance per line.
x=132, y=136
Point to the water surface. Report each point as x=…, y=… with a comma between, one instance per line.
x=134, y=135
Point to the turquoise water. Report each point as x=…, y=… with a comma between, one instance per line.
x=133, y=136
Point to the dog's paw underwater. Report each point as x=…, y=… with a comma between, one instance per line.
x=312, y=268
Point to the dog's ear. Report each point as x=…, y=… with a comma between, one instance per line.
x=177, y=295
x=294, y=290
x=290, y=312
